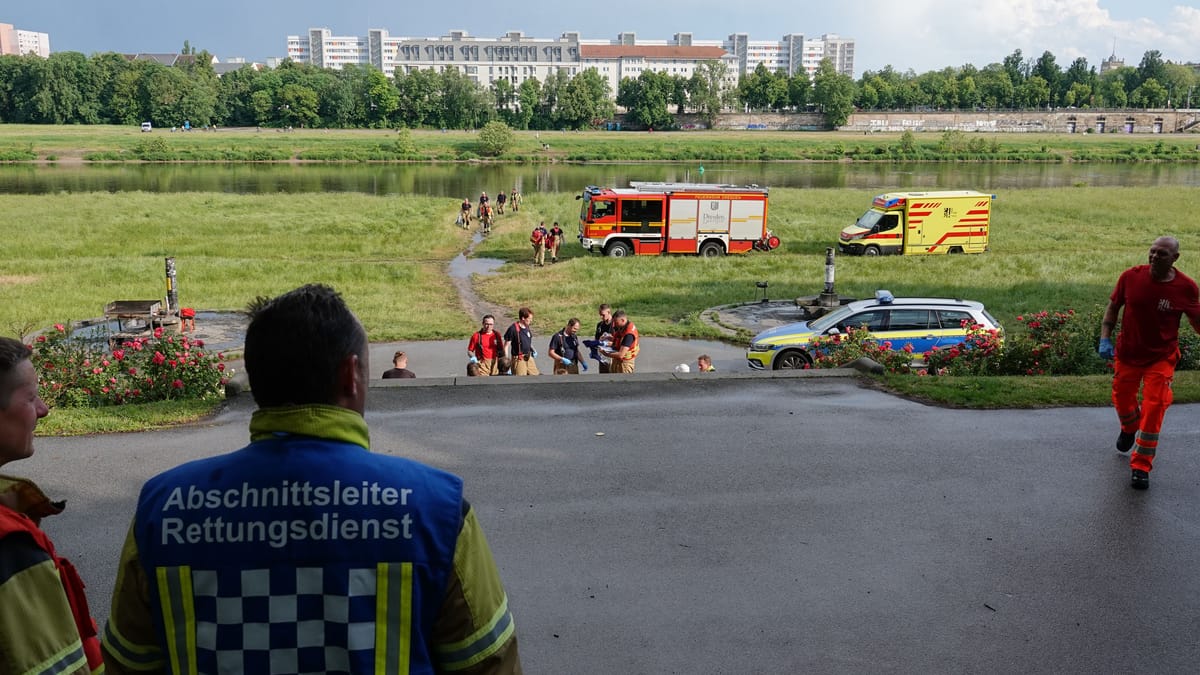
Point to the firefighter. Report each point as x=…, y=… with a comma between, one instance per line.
x=625, y=345
x=1154, y=297
x=45, y=624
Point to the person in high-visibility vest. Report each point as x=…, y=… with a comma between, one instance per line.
x=45, y=625
x=1154, y=297
x=625, y=345
x=306, y=552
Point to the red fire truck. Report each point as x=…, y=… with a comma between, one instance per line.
x=660, y=218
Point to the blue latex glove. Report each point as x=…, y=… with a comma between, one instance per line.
x=584, y=364
x=473, y=360
x=533, y=353
x=1106, y=348
x=566, y=362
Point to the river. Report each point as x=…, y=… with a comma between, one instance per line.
x=461, y=180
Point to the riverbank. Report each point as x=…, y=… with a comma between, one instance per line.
x=95, y=144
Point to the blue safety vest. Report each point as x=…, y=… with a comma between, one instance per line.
x=299, y=554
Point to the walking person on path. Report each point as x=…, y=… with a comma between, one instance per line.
x=1154, y=297
x=538, y=239
x=554, y=241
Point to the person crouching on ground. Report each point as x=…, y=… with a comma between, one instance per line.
x=399, y=368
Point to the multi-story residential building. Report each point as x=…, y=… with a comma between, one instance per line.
x=516, y=58
x=18, y=42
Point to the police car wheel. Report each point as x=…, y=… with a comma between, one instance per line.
x=792, y=359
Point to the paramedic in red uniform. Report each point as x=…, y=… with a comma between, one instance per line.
x=1154, y=296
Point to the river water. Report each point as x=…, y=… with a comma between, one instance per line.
x=461, y=180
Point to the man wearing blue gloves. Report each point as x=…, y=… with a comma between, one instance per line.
x=564, y=349
x=1154, y=297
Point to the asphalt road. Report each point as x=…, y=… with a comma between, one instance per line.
x=763, y=525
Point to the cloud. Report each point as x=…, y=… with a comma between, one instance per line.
x=932, y=34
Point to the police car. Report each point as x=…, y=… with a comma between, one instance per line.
x=925, y=323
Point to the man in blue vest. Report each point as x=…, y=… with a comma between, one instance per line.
x=304, y=552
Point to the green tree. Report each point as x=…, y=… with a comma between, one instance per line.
x=529, y=95
x=1047, y=68
x=383, y=100
x=585, y=100
x=1150, y=95
x=495, y=138
x=418, y=98
x=1151, y=67
x=645, y=99
x=298, y=106
x=1111, y=91
x=833, y=92
x=707, y=90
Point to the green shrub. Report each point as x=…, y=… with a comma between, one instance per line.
x=495, y=138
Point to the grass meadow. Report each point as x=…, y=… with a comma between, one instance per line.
x=116, y=143
x=66, y=255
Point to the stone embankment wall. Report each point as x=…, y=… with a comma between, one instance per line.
x=1057, y=121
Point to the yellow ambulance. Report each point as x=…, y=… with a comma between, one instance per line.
x=921, y=223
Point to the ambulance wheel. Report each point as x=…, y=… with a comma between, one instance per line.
x=871, y=250
x=955, y=250
x=792, y=359
x=711, y=249
x=618, y=249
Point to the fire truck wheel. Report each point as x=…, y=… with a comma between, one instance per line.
x=792, y=359
x=711, y=249
x=618, y=249
x=871, y=250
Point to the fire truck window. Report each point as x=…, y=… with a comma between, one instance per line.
x=887, y=222
x=641, y=210
x=953, y=319
x=601, y=210
x=873, y=320
x=909, y=319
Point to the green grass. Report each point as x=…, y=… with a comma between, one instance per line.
x=116, y=143
x=69, y=254
x=137, y=417
x=1022, y=392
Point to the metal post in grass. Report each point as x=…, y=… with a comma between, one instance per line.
x=172, y=291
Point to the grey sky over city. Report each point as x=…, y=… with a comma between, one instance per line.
x=921, y=35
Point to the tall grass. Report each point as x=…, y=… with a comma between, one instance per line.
x=115, y=143
x=66, y=255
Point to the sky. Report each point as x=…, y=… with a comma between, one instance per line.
x=918, y=35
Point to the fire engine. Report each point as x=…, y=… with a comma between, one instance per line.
x=661, y=218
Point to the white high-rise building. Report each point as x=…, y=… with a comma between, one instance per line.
x=18, y=42
x=514, y=57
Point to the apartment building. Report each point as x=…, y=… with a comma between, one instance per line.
x=17, y=42
x=516, y=57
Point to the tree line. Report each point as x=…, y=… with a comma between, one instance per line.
x=108, y=88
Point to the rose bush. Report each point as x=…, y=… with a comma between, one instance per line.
x=72, y=373
x=833, y=351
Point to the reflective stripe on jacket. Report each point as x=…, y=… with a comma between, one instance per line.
x=45, y=624
x=306, y=543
